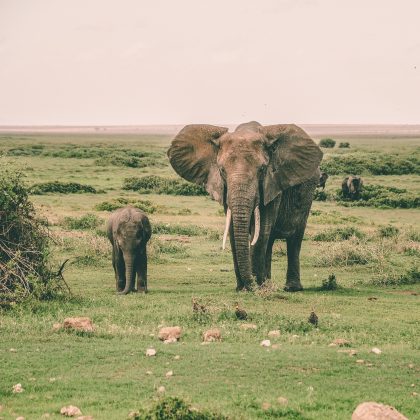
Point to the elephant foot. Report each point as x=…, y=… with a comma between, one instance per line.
x=141, y=290
x=293, y=288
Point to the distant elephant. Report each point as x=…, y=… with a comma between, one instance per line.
x=322, y=180
x=352, y=187
x=129, y=230
x=265, y=178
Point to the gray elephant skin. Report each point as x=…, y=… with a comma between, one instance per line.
x=351, y=187
x=264, y=176
x=129, y=230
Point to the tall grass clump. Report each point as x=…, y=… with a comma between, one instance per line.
x=24, y=244
x=187, y=230
x=338, y=234
x=118, y=203
x=61, y=187
x=159, y=185
x=344, y=145
x=85, y=222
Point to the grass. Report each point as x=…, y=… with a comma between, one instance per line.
x=107, y=374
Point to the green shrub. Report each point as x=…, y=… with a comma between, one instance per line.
x=144, y=205
x=388, y=231
x=382, y=197
x=187, y=230
x=61, y=187
x=24, y=244
x=159, y=185
x=327, y=143
x=330, y=283
x=338, y=234
x=412, y=276
x=124, y=160
x=344, y=145
x=320, y=195
x=370, y=163
x=85, y=222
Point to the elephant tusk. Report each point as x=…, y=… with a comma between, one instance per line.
x=227, y=226
x=257, y=226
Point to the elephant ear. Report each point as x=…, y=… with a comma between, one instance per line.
x=193, y=155
x=294, y=158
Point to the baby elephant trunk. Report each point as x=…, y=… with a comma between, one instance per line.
x=129, y=275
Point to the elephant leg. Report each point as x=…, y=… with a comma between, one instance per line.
x=119, y=268
x=141, y=268
x=239, y=283
x=293, y=265
x=259, y=261
x=268, y=258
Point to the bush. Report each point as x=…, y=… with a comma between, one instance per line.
x=124, y=160
x=338, y=234
x=61, y=187
x=371, y=163
x=383, y=197
x=320, y=195
x=327, y=143
x=388, y=231
x=86, y=222
x=24, y=245
x=188, y=230
x=144, y=205
x=344, y=145
x=159, y=185
x=330, y=283
x=412, y=276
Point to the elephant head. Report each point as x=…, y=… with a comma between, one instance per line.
x=244, y=170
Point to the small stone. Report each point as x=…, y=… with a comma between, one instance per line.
x=170, y=333
x=360, y=361
x=212, y=335
x=161, y=389
x=133, y=415
x=169, y=374
x=70, y=411
x=266, y=406
x=79, y=324
x=12, y=350
x=295, y=336
x=170, y=340
x=56, y=326
x=248, y=326
x=151, y=352
x=341, y=342
x=20, y=418
x=177, y=357
x=412, y=385
x=373, y=410
x=265, y=343
x=414, y=394
x=282, y=400
x=352, y=353
x=52, y=379
x=411, y=365
x=149, y=372
x=17, y=389
x=375, y=350
x=84, y=418
x=369, y=364
x=274, y=334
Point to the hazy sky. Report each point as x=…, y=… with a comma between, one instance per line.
x=210, y=61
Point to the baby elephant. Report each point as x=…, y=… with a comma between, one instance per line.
x=352, y=187
x=322, y=180
x=129, y=230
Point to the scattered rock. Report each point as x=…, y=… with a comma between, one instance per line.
x=411, y=365
x=151, y=352
x=265, y=406
x=341, y=342
x=177, y=357
x=360, y=361
x=17, y=389
x=265, y=343
x=56, y=326
x=170, y=333
x=212, y=335
x=70, y=411
x=295, y=336
x=170, y=340
x=169, y=374
x=161, y=390
x=375, y=350
x=79, y=324
x=149, y=372
x=282, y=400
x=84, y=418
x=248, y=327
x=133, y=415
x=414, y=394
x=274, y=334
x=373, y=410
x=12, y=350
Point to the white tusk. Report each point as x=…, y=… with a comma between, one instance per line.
x=257, y=226
x=227, y=227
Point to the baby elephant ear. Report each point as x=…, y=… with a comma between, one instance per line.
x=193, y=154
x=294, y=158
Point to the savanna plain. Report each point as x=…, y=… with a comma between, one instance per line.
x=369, y=251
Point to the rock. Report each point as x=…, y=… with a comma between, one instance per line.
x=265, y=343
x=170, y=340
x=17, y=389
x=151, y=352
x=161, y=390
x=415, y=394
x=20, y=418
x=84, y=418
x=341, y=342
x=170, y=333
x=149, y=372
x=360, y=361
x=266, y=406
x=12, y=350
x=79, y=324
x=169, y=374
x=375, y=350
x=177, y=357
x=376, y=411
x=57, y=326
x=248, y=327
x=274, y=334
x=282, y=400
x=133, y=415
x=411, y=365
x=70, y=411
x=212, y=335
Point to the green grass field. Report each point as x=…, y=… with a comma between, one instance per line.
x=107, y=375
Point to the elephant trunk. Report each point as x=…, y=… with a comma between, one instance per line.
x=128, y=259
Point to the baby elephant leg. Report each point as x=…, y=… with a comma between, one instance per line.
x=142, y=272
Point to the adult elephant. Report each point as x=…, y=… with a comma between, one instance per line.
x=265, y=178
x=351, y=187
